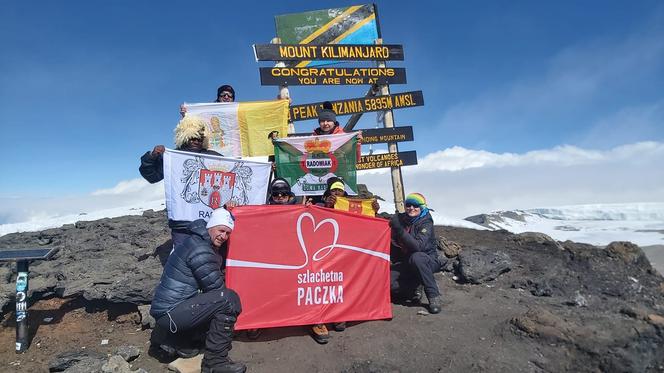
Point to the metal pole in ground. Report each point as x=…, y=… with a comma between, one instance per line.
x=22, y=306
x=22, y=257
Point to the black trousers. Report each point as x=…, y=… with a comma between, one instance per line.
x=413, y=270
x=218, y=309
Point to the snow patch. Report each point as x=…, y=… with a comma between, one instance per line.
x=596, y=224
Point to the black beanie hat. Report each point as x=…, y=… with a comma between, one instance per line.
x=280, y=185
x=226, y=88
x=326, y=114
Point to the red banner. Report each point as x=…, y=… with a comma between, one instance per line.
x=303, y=265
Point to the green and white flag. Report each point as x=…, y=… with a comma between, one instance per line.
x=307, y=162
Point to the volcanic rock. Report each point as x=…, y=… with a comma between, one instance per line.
x=482, y=264
x=524, y=303
x=77, y=361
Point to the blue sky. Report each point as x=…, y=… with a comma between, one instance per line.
x=87, y=87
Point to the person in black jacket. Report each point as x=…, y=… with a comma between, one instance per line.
x=192, y=294
x=280, y=193
x=191, y=135
x=413, y=252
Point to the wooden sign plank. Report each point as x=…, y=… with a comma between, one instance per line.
x=279, y=76
x=377, y=135
x=358, y=105
x=382, y=135
x=328, y=52
x=373, y=161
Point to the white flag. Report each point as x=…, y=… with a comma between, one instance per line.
x=198, y=183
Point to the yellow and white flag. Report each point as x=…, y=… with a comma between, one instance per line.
x=240, y=129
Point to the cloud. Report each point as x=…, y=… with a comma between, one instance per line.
x=132, y=187
x=460, y=182
x=457, y=183
x=133, y=192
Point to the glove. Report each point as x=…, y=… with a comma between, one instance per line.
x=157, y=151
x=395, y=223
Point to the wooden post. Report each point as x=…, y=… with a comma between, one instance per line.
x=284, y=93
x=356, y=117
x=397, y=180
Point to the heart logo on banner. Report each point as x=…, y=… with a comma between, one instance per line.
x=300, y=237
x=319, y=255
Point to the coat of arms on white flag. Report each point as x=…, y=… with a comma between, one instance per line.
x=198, y=183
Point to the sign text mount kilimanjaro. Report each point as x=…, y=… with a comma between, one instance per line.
x=343, y=52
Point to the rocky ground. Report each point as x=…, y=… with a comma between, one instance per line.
x=513, y=303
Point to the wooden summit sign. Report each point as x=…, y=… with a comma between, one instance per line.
x=336, y=52
x=368, y=162
x=331, y=75
x=358, y=105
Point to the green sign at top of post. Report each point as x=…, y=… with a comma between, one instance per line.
x=355, y=24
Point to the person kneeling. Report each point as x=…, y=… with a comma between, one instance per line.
x=179, y=307
x=413, y=252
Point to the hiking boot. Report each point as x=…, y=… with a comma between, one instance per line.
x=339, y=326
x=183, y=352
x=320, y=333
x=222, y=366
x=416, y=295
x=253, y=334
x=434, y=305
x=168, y=342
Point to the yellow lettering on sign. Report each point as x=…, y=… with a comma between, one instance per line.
x=354, y=80
x=395, y=137
x=307, y=81
x=355, y=52
x=332, y=81
x=369, y=73
x=404, y=100
x=297, y=51
x=312, y=112
x=297, y=112
x=347, y=107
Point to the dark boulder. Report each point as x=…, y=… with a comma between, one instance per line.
x=478, y=265
x=77, y=361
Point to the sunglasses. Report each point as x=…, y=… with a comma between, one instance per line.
x=412, y=205
x=226, y=94
x=279, y=194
